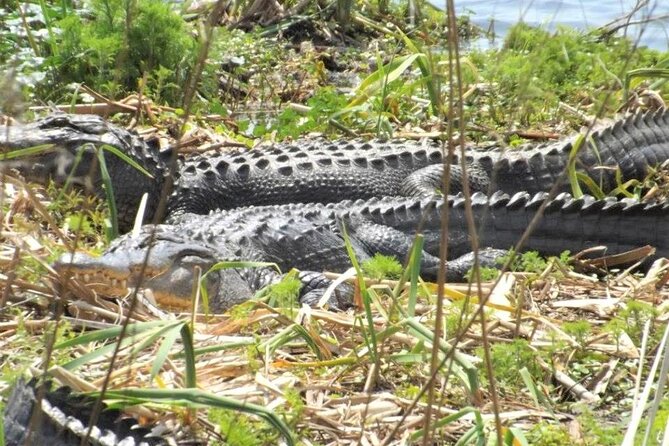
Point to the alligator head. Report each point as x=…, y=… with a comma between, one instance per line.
x=160, y=259
x=71, y=144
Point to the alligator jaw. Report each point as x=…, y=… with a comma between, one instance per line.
x=170, y=272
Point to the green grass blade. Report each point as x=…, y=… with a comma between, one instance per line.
x=430, y=77
x=363, y=292
x=109, y=193
x=384, y=75
x=169, y=338
x=654, y=72
x=189, y=355
x=593, y=187
x=444, y=421
x=125, y=158
x=571, y=167
x=147, y=338
x=28, y=151
x=196, y=398
x=414, y=273
x=75, y=165
x=515, y=437
x=538, y=397
x=288, y=334
x=243, y=342
x=135, y=329
x=462, y=367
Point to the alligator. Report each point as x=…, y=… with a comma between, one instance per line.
x=61, y=417
x=310, y=237
x=316, y=170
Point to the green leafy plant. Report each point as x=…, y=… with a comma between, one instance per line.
x=509, y=358
x=382, y=267
x=124, y=42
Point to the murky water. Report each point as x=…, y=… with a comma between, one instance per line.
x=583, y=14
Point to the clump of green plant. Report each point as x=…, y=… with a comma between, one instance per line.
x=537, y=69
x=486, y=274
x=123, y=43
x=382, y=267
x=457, y=315
x=509, y=358
x=285, y=292
x=632, y=319
x=596, y=433
x=29, y=347
x=78, y=213
x=549, y=434
x=529, y=262
x=579, y=330
x=291, y=123
x=237, y=429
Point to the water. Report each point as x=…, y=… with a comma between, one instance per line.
x=582, y=14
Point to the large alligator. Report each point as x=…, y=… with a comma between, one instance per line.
x=309, y=237
x=317, y=170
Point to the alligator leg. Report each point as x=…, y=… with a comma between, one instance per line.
x=392, y=242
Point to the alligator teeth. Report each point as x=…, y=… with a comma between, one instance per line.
x=114, y=282
x=87, y=278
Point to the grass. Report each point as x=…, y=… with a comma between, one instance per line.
x=381, y=371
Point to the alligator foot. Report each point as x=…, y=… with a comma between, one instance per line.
x=314, y=286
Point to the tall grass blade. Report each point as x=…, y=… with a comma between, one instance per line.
x=147, y=337
x=135, y=329
x=166, y=345
x=112, y=230
x=515, y=437
x=641, y=403
x=571, y=167
x=28, y=151
x=126, y=159
x=189, y=355
x=196, y=398
x=462, y=367
x=444, y=421
x=654, y=72
x=430, y=76
x=384, y=75
x=414, y=273
x=363, y=292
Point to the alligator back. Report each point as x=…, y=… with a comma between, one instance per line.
x=321, y=171
x=301, y=172
x=307, y=236
x=630, y=148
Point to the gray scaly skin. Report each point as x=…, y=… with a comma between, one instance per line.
x=308, y=237
x=62, y=420
x=321, y=171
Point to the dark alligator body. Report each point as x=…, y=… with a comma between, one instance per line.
x=320, y=171
x=36, y=415
x=309, y=237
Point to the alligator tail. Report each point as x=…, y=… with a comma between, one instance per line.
x=35, y=415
